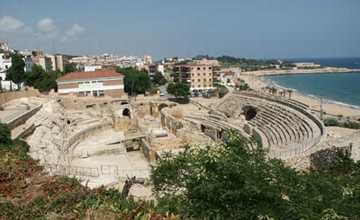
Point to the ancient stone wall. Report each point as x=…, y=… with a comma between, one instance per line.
x=170, y=122
x=8, y=96
x=83, y=134
x=78, y=103
x=21, y=119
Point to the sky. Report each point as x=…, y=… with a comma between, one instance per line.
x=162, y=28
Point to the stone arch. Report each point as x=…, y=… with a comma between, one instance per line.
x=202, y=128
x=249, y=111
x=126, y=112
x=161, y=106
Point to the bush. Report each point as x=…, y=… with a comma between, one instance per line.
x=236, y=180
x=5, y=136
x=222, y=90
x=352, y=125
x=331, y=122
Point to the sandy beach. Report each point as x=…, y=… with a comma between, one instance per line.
x=256, y=82
x=301, y=71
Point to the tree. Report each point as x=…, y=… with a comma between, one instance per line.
x=5, y=136
x=16, y=72
x=42, y=80
x=35, y=76
x=135, y=81
x=70, y=67
x=235, y=180
x=178, y=90
x=158, y=79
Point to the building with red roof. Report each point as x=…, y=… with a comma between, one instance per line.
x=95, y=83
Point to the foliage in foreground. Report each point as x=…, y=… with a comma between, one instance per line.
x=225, y=181
x=236, y=181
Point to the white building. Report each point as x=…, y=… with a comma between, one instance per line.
x=97, y=83
x=147, y=60
x=161, y=69
x=92, y=68
x=52, y=60
x=5, y=64
x=307, y=65
x=229, y=76
x=4, y=46
x=8, y=85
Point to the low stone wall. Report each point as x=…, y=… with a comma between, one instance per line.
x=83, y=134
x=170, y=122
x=21, y=119
x=79, y=103
x=8, y=96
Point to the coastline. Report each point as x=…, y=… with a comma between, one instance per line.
x=323, y=70
x=331, y=107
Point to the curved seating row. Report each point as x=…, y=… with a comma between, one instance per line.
x=282, y=126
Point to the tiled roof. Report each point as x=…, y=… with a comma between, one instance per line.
x=89, y=75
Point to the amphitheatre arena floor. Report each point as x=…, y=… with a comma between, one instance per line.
x=98, y=151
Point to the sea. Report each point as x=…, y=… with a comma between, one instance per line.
x=341, y=88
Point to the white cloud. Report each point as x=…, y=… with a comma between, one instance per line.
x=46, y=26
x=73, y=32
x=9, y=24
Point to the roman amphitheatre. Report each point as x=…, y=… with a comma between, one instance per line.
x=103, y=141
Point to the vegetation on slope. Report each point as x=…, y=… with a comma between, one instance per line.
x=236, y=181
x=28, y=193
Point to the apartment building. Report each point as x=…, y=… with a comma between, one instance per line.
x=95, y=83
x=199, y=77
x=5, y=64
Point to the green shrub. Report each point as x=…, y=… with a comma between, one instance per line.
x=331, y=122
x=5, y=136
x=352, y=125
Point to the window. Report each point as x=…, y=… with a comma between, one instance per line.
x=198, y=68
x=204, y=68
x=210, y=68
x=101, y=92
